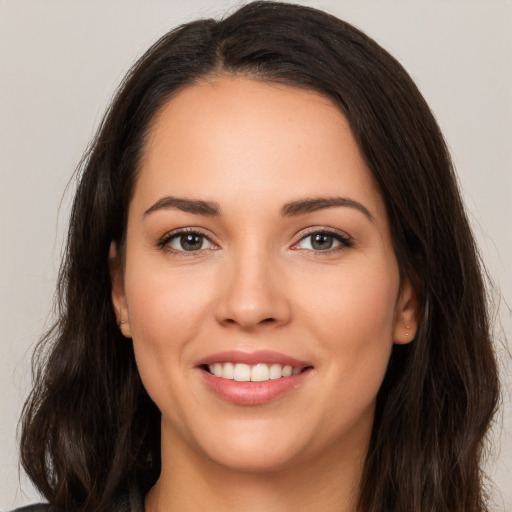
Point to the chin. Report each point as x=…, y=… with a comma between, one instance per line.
x=255, y=446
x=255, y=458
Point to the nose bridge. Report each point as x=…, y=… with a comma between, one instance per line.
x=253, y=291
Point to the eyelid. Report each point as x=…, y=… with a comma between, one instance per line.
x=344, y=239
x=163, y=241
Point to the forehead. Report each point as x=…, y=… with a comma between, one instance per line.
x=236, y=136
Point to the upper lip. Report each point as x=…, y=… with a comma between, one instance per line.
x=251, y=358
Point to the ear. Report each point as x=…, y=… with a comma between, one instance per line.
x=406, y=314
x=118, y=295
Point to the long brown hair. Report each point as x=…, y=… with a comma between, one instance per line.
x=89, y=429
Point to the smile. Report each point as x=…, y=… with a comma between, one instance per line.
x=253, y=378
x=259, y=372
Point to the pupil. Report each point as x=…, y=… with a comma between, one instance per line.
x=322, y=241
x=191, y=241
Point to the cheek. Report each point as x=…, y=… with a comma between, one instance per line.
x=356, y=299
x=166, y=312
x=165, y=306
x=353, y=319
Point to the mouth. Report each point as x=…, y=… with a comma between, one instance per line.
x=259, y=372
x=253, y=378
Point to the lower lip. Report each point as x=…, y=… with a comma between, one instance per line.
x=253, y=393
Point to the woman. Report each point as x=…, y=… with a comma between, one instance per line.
x=269, y=276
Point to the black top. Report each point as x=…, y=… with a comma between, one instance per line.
x=131, y=502
x=40, y=507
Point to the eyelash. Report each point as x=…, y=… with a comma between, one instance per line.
x=345, y=241
x=163, y=243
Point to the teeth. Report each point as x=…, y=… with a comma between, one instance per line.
x=242, y=372
x=216, y=370
x=256, y=373
x=276, y=371
x=260, y=373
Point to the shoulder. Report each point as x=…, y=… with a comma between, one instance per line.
x=133, y=501
x=39, y=507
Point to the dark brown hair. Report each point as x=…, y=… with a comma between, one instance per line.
x=90, y=430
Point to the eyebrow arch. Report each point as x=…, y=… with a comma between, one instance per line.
x=312, y=204
x=195, y=206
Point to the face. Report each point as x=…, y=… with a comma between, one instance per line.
x=259, y=285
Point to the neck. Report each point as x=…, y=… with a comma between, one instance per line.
x=189, y=481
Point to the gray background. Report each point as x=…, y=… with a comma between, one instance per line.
x=59, y=64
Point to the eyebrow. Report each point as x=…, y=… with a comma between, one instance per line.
x=195, y=206
x=293, y=208
x=314, y=204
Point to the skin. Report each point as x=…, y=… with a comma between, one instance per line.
x=257, y=283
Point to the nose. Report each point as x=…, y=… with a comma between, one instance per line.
x=253, y=293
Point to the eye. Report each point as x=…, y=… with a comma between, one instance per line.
x=322, y=241
x=189, y=241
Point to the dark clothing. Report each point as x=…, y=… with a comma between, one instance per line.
x=132, y=502
x=40, y=507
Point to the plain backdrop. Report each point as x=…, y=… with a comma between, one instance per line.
x=60, y=62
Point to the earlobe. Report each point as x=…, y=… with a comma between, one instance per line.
x=406, y=315
x=118, y=295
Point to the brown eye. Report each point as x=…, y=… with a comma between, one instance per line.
x=323, y=241
x=189, y=242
